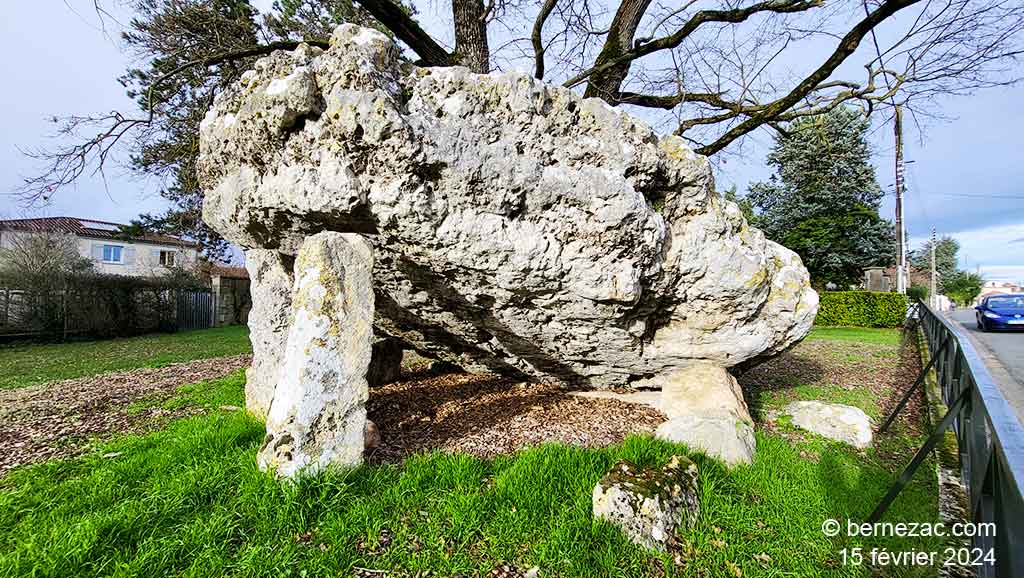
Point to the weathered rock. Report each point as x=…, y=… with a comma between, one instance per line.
x=706, y=411
x=372, y=438
x=270, y=284
x=835, y=421
x=318, y=414
x=518, y=228
x=649, y=505
x=729, y=440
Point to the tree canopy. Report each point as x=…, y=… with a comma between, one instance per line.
x=712, y=69
x=946, y=263
x=963, y=286
x=823, y=199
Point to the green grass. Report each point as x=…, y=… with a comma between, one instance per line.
x=861, y=398
x=188, y=500
x=861, y=334
x=24, y=365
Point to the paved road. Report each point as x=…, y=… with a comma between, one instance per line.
x=1004, y=353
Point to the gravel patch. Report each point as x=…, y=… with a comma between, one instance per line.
x=59, y=419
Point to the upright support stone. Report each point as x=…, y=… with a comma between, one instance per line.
x=318, y=414
x=706, y=410
x=271, y=280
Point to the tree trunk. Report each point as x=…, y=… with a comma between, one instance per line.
x=606, y=84
x=471, y=49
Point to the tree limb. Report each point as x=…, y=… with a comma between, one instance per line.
x=704, y=16
x=845, y=48
x=538, y=41
x=408, y=31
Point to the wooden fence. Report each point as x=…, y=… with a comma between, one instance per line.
x=195, y=309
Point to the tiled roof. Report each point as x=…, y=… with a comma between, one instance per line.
x=229, y=272
x=88, y=228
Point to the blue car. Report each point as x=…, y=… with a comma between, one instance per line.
x=1001, y=312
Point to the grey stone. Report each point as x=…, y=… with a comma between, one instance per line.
x=835, y=421
x=728, y=439
x=270, y=285
x=706, y=411
x=649, y=505
x=518, y=228
x=318, y=414
x=372, y=438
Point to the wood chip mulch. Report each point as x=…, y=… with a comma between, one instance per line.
x=481, y=415
x=486, y=416
x=58, y=419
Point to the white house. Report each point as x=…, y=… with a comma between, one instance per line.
x=112, y=251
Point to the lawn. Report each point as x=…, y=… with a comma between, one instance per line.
x=858, y=334
x=23, y=365
x=188, y=500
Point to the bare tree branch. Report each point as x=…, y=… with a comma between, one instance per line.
x=67, y=164
x=538, y=41
x=698, y=19
x=845, y=48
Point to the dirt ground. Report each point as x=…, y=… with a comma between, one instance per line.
x=481, y=415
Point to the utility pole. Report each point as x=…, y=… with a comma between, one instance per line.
x=933, y=295
x=901, y=252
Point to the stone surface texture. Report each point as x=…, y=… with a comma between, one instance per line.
x=649, y=505
x=318, y=414
x=270, y=286
x=518, y=228
x=843, y=423
x=729, y=440
x=706, y=410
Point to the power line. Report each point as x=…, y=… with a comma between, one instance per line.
x=980, y=196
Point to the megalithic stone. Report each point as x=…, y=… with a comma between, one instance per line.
x=518, y=228
x=318, y=413
x=270, y=284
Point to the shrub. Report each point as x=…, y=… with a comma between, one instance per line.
x=92, y=304
x=861, y=309
x=917, y=292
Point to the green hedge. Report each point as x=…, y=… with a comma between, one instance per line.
x=861, y=309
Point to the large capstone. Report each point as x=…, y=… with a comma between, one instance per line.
x=518, y=228
x=318, y=413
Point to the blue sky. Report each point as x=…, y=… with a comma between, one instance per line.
x=967, y=178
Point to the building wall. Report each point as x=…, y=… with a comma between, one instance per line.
x=232, y=300
x=138, y=259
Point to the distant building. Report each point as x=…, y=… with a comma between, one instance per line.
x=884, y=278
x=997, y=288
x=111, y=250
x=230, y=286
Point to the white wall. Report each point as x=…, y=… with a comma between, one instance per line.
x=138, y=259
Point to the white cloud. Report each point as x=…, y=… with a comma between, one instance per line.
x=997, y=251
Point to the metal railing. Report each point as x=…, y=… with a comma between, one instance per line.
x=990, y=440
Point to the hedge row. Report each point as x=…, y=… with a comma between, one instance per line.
x=861, y=309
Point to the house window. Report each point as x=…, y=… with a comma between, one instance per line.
x=112, y=254
x=168, y=258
